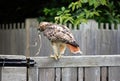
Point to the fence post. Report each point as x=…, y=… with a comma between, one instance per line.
x=29, y=23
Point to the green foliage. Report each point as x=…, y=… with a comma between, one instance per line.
x=110, y=13
x=82, y=10
x=49, y=14
x=79, y=11
x=63, y=16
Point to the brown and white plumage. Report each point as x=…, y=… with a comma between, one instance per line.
x=60, y=37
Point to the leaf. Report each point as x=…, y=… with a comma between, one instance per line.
x=84, y=1
x=66, y=11
x=72, y=6
x=63, y=8
x=61, y=21
x=59, y=12
x=96, y=4
x=68, y=19
x=91, y=2
x=103, y=2
x=46, y=11
x=96, y=13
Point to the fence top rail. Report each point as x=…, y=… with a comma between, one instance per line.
x=72, y=61
x=78, y=61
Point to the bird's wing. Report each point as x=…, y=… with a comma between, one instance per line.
x=60, y=33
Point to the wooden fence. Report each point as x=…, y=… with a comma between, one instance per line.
x=99, y=42
x=12, y=38
x=92, y=37
x=77, y=68
x=68, y=68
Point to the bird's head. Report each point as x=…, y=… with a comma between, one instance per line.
x=43, y=25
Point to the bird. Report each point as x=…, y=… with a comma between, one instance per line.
x=60, y=37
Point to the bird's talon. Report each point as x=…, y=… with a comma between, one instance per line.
x=59, y=56
x=54, y=56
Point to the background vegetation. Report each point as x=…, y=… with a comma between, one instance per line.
x=60, y=11
x=76, y=12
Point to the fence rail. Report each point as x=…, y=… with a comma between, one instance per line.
x=78, y=61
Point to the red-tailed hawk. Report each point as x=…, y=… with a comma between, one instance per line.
x=60, y=37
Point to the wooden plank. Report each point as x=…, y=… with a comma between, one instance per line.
x=4, y=39
x=79, y=61
x=18, y=38
x=112, y=26
x=113, y=42
x=98, y=42
x=69, y=74
x=13, y=39
x=14, y=74
x=101, y=26
x=1, y=40
x=46, y=48
x=23, y=34
x=107, y=26
x=7, y=37
x=47, y=74
x=88, y=35
x=81, y=74
x=0, y=73
x=33, y=73
x=118, y=39
x=93, y=24
x=104, y=73
x=58, y=75
x=83, y=29
x=91, y=42
x=114, y=71
x=92, y=50
x=23, y=41
x=92, y=74
x=105, y=46
x=35, y=42
x=114, y=74
x=28, y=24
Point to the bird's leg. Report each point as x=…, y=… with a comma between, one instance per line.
x=55, y=50
x=62, y=48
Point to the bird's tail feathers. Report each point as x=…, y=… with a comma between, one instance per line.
x=74, y=49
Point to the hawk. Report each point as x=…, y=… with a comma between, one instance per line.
x=60, y=37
